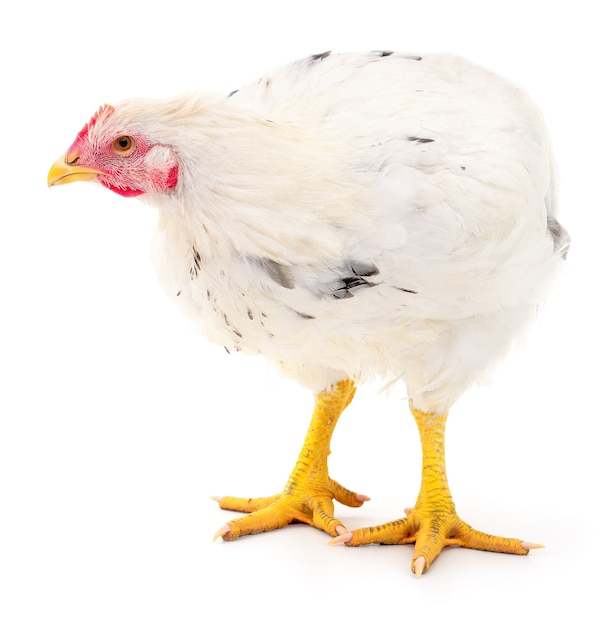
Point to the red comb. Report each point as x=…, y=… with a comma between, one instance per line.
x=102, y=109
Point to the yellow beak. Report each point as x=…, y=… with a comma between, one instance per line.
x=62, y=172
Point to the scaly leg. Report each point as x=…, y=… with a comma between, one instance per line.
x=432, y=523
x=309, y=493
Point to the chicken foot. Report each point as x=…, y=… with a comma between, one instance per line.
x=309, y=493
x=432, y=523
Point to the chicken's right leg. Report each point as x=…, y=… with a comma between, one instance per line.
x=309, y=493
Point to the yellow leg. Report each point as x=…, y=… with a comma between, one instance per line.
x=309, y=493
x=433, y=523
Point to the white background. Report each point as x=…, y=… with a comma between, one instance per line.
x=117, y=422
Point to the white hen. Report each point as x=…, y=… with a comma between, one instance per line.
x=348, y=216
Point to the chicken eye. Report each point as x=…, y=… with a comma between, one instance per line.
x=123, y=144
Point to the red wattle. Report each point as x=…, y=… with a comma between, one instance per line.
x=127, y=193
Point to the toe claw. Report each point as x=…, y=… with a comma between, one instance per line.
x=418, y=566
x=527, y=545
x=341, y=538
x=224, y=530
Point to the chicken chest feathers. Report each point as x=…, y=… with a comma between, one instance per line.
x=355, y=215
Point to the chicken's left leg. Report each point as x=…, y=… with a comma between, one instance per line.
x=432, y=523
x=309, y=493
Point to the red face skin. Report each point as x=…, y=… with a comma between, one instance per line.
x=128, y=164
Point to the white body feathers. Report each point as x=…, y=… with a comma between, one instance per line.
x=361, y=214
